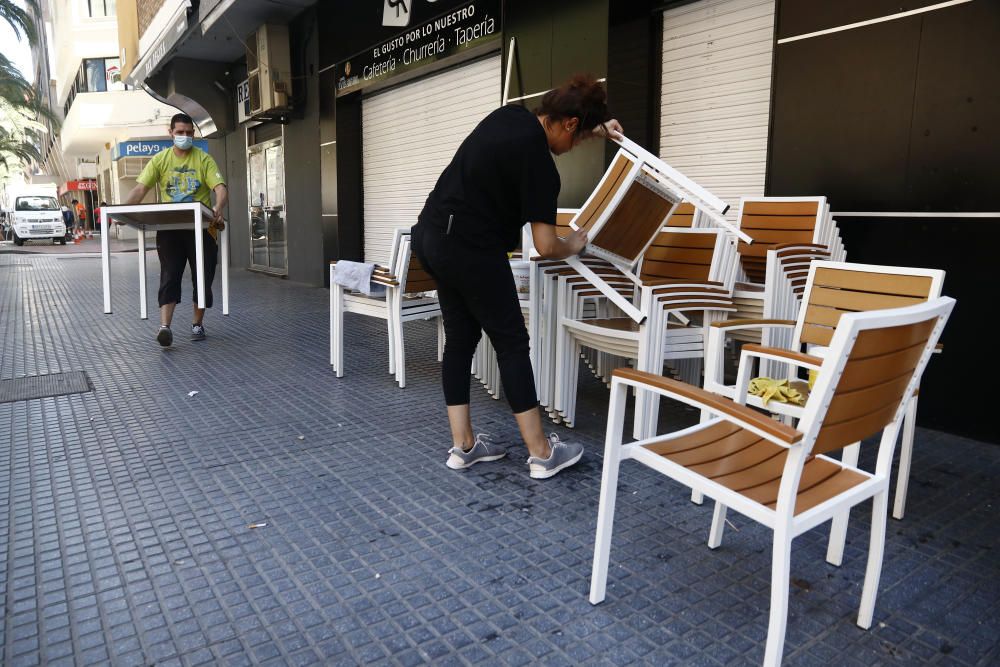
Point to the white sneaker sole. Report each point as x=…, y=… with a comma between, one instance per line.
x=457, y=463
x=537, y=472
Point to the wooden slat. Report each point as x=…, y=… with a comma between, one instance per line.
x=814, y=472
x=717, y=432
x=674, y=270
x=683, y=215
x=705, y=240
x=563, y=219
x=843, y=481
x=813, y=334
x=822, y=315
x=875, y=342
x=871, y=371
x=780, y=207
x=840, y=435
x=775, y=236
x=788, y=222
x=685, y=255
x=880, y=283
x=859, y=301
x=847, y=405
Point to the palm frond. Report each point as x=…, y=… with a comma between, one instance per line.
x=20, y=19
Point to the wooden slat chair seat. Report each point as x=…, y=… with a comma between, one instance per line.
x=408, y=296
x=832, y=289
x=677, y=277
x=775, y=474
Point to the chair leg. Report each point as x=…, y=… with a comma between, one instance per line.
x=697, y=497
x=880, y=506
x=780, y=574
x=400, y=351
x=337, y=334
x=905, y=457
x=718, y=525
x=838, y=528
x=609, y=489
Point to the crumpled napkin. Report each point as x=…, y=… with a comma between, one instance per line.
x=777, y=390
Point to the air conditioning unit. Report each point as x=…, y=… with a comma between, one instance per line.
x=269, y=70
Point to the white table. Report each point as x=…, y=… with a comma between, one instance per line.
x=142, y=217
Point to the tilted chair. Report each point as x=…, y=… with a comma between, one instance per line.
x=773, y=473
x=406, y=285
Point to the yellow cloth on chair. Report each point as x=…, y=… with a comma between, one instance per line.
x=778, y=390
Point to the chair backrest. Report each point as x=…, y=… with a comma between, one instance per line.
x=873, y=366
x=410, y=273
x=681, y=254
x=776, y=221
x=835, y=288
x=618, y=173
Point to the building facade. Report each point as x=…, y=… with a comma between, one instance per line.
x=334, y=119
x=77, y=63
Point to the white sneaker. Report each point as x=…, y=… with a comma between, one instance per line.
x=482, y=450
x=563, y=455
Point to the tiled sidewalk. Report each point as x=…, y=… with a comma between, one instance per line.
x=125, y=513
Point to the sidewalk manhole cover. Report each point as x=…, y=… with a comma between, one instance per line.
x=44, y=386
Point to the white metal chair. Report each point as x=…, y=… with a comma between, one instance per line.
x=406, y=286
x=773, y=473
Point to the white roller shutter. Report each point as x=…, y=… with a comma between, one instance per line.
x=409, y=134
x=716, y=92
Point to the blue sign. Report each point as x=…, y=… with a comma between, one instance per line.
x=147, y=147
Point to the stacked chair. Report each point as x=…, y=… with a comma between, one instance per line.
x=405, y=299
x=788, y=234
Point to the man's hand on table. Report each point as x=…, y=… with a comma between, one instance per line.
x=217, y=221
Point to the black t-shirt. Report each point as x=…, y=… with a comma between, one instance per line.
x=501, y=177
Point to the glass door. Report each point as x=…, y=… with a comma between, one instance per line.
x=268, y=248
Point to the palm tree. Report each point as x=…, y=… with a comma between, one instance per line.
x=20, y=105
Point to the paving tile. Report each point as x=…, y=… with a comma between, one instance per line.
x=125, y=538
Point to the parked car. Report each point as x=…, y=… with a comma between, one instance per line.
x=38, y=217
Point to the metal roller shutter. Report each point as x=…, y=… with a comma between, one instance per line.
x=716, y=91
x=409, y=135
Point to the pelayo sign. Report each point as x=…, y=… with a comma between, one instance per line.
x=465, y=27
x=147, y=147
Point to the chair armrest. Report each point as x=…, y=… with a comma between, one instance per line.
x=778, y=354
x=750, y=323
x=692, y=395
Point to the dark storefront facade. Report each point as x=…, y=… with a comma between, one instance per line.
x=885, y=110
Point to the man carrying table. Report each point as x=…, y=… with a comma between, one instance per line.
x=183, y=173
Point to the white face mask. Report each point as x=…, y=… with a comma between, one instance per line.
x=182, y=142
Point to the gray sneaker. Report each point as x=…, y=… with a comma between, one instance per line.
x=197, y=332
x=564, y=454
x=482, y=450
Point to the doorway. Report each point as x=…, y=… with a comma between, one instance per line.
x=268, y=245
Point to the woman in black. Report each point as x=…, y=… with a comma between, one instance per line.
x=501, y=177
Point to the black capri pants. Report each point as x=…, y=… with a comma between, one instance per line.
x=477, y=293
x=175, y=248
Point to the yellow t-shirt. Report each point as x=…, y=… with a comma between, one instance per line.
x=187, y=179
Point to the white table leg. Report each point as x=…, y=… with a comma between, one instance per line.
x=141, y=235
x=105, y=261
x=199, y=255
x=224, y=249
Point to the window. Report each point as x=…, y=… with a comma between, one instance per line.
x=100, y=8
x=96, y=75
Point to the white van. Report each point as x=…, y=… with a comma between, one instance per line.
x=37, y=217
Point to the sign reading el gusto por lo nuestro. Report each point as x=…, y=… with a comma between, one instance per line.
x=468, y=26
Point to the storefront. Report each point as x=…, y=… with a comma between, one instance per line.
x=266, y=201
x=84, y=191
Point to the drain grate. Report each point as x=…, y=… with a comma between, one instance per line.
x=44, y=386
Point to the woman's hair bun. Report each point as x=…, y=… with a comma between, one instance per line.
x=581, y=97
